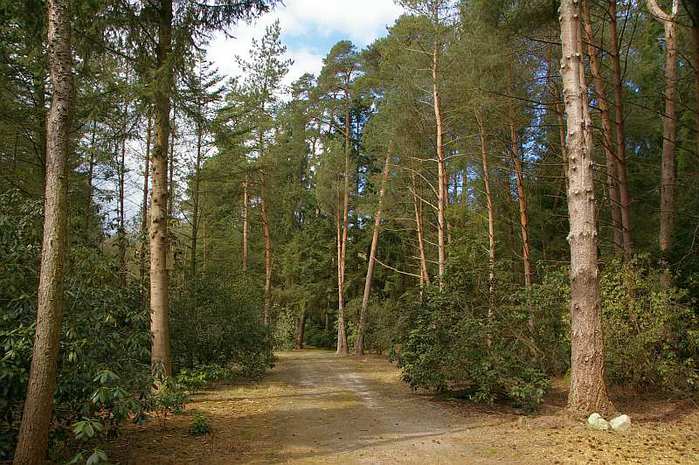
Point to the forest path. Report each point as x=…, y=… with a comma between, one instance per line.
x=317, y=408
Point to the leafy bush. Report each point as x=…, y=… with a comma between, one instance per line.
x=651, y=331
x=453, y=346
x=218, y=322
x=200, y=425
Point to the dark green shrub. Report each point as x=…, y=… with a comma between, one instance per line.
x=200, y=425
x=219, y=322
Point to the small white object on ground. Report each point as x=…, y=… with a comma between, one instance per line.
x=620, y=423
x=595, y=421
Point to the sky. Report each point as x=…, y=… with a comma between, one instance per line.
x=309, y=29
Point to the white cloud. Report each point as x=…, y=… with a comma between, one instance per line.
x=307, y=25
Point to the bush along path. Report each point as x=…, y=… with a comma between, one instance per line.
x=316, y=408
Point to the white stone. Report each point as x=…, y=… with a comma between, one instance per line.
x=595, y=421
x=620, y=423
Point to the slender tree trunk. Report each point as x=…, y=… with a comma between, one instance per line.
x=90, y=175
x=516, y=155
x=491, y=217
x=144, y=219
x=417, y=203
x=245, y=224
x=121, y=234
x=342, y=346
x=341, y=333
x=268, y=256
x=668, y=167
x=159, y=278
x=624, y=196
x=195, y=202
x=300, y=329
x=171, y=168
x=441, y=169
x=33, y=437
x=359, y=342
x=607, y=143
x=588, y=392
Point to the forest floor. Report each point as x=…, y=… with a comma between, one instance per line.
x=316, y=408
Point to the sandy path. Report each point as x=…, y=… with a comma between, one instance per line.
x=316, y=408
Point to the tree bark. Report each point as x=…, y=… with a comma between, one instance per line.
x=341, y=333
x=607, y=144
x=441, y=170
x=121, y=233
x=245, y=224
x=695, y=36
x=342, y=346
x=268, y=256
x=144, y=219
x=516, y=155
x=588, y=392
x=668, y=167
x=32, y=442
x=195, y=202
x=159, y=277
x=491, y=217
x=417, y=204
x=361, y=331
x=624, y=196
x=90, y=175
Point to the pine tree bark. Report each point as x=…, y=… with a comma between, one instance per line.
x=121, y=233
x=417, y=204
x=245, y=224
x=33, y=437
x=695, y=37
x=491, y=216
x=144, y=211
x=588, y=392
x=516, y=155
x=342, y=346
x=158, y=230
x=90, y=176
x=361, y=330
x=268, y=256
x=624, y=196
x=195, y=202
x=668, y=166
x=441, y=169
x=607, y=143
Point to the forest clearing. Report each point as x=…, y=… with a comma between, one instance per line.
x=316, y=408
x=334, y=231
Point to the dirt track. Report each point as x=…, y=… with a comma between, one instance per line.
x=316, y=408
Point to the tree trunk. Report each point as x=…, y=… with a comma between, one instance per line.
x=588, y=392
x=342, y=346
x=516, y=155
x=417, y=203
x=361, y=331
x=195, y=203
x=268, y=256
x=245, y=224
x=668, y=168
x=491, y=218
x=300, y=330
x=441, y=170
x=607, y=144
x=159, y=278
x=90, y=175
x=144, y=219
x=121, y=233
x=341, y=333
x=624, y=196
x=33, y=437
